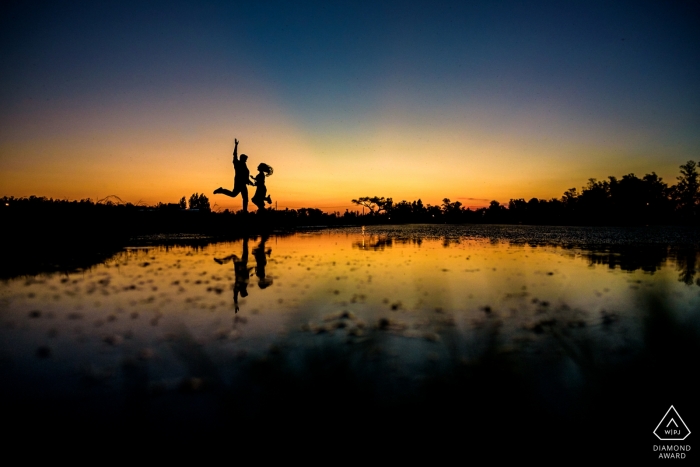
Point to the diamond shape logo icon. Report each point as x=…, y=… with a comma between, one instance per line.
x=672, y=427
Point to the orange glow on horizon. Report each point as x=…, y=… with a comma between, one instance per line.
x=189, y=150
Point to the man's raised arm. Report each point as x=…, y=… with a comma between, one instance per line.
x=235, y=151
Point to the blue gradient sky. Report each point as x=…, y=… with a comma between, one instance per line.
x=471, y=101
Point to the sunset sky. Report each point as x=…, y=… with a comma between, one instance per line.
x=472, y=101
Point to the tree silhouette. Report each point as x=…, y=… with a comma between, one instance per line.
x=374, y=203
x=199, y=201
x=686, y=193
x=451, y=211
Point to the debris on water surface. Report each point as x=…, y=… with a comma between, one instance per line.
x=358, y=298
x=337, y=320
x=431, y=336
x=348, y=315
x=339, y=315
x=112, y=339
x=221, y=334
x=324, y=328
x=156, y=318
x=448, y=321
x=227, y=334
x=388, y=324
x=383, y=323
x=608, y=318
x=540, y=326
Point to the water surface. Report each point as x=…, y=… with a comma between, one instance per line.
x=412, y=300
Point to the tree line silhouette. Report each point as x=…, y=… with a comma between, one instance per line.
x=40, y=232
x=629, y=200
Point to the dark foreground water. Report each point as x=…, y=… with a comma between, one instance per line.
x=488, y=340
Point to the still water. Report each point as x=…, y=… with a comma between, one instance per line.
x=414, y=298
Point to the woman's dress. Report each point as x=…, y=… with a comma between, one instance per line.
x=260, y=190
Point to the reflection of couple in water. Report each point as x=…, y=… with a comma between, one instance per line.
x=242, y=179
x=242, y=271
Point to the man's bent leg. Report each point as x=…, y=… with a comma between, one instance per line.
x=226, y=192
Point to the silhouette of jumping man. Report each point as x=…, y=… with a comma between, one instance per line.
x=242, y=272
x=260, y=197
x=240, y=178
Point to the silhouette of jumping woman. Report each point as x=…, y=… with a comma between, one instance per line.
x=240, y=178
x=260, y=197
x=261, y=253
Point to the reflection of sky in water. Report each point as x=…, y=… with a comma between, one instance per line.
x=424, y=294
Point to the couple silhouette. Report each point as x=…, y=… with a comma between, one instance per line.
x=242, y=179
x=242, y=271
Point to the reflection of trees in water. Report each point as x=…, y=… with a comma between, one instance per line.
x=630, y=257
x=686, y=260
x=372, y=242
x=648, y=258
x=449, y=241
